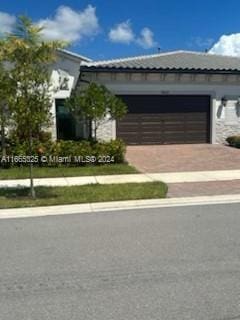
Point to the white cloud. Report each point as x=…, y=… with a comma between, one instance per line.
x=122, y=33
x=70, y=25
x=227, y=45
x=203, y=42
x=146, y=39
x=7, y=22
x=66, y=25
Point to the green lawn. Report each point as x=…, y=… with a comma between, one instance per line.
x=44, y=172
x=13, y=198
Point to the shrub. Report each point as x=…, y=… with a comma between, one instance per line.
x=69, y=148
x=114, y=150
x=45, y=136
x=234, y=141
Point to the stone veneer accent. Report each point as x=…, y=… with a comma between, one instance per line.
x=224, y=130
x=106, y=130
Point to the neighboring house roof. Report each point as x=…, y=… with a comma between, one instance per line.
x=74, y=55
x=180, y=61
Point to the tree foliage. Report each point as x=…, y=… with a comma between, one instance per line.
x=6, y=91
x=30, y=74
x=95, y=104
x=30, y=58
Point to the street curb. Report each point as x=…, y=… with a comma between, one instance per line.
x=116, y=206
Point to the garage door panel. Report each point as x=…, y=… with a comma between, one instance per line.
x=172, y=115
x=194, y=128
x=131, y=127
x=151, y=141
x=165, y=119
x=194, y=116
x=174, y=134
x=173, y=127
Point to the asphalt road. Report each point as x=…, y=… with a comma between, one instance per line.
x=169, y=263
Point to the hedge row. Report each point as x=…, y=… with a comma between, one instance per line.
x=72, y=153
x=234, y=141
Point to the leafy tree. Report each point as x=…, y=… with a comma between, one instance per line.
x=95, y=104
x=30, y=73
x=4, y=88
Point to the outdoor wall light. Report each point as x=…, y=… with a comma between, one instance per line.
x=238, y=101
x=238, y=107
x=224, y=101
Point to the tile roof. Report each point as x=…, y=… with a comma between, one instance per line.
x=176, y=60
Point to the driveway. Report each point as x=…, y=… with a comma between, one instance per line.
x=180, y=158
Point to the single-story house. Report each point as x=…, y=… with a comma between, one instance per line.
x=173, y=97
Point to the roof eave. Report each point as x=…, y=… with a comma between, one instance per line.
x=158, y=70
x=73, y=55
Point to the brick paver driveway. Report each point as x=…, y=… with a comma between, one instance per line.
x=191, y=157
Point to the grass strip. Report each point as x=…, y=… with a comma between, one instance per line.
x=52, y=172
x=47, y=196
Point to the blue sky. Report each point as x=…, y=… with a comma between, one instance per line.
x=108, y=29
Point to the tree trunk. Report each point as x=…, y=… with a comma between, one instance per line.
x=32, y=190
x=90, y=129
x=3, y=141
x=95, y=131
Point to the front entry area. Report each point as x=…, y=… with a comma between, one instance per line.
x=165, y=119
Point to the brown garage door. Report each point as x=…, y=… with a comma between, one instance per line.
x=165, y=119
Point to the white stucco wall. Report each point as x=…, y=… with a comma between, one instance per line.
x=224, y=120
x=71, y=66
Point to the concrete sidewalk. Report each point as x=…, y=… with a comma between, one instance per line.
x=171, y=177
